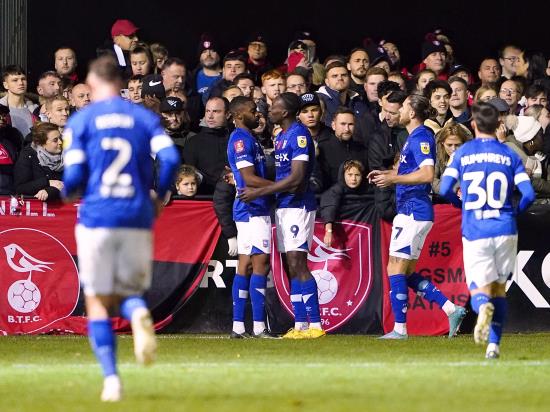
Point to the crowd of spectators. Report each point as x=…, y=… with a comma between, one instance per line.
x=350, y=103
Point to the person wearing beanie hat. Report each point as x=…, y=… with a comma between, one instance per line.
x=257, y=56
x=209, y=69
x=377, y=55
x=434, y=54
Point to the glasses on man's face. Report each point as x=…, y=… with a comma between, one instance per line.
x=512, y=59
x=508, y=91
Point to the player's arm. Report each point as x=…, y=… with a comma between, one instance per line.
x=291, y=183
x=251, y=179
x=385, y=178
x=446, y=188
x=74, y=161
x=163, y=149
x=523, y=183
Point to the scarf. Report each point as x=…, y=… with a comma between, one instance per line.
x=46, y=159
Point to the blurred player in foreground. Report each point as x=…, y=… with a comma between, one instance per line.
x=109, y=150
x=488, y=171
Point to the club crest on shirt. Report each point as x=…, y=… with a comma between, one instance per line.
x=239, y=146
x=302, y=141
x=425, y=147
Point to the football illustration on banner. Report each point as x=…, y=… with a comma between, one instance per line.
x=343, y=272
x=38, y=291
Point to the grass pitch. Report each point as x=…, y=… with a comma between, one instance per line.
x=336, y=373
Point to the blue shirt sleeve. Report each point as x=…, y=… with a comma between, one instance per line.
x=74, y=155
x=448, y=180
x=423, y=150
x=242, y=151
x=299, y=145
x=523, y=183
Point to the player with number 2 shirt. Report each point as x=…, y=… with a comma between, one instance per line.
x=414, y=218
x=109, y=150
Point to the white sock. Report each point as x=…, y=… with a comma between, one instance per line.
x=492, y=347
x=315, y=325
x=238, y=327
x=400, y=328
x=449, y=308
x=301, y=325
x=259, y=327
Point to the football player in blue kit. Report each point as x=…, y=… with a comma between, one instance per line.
x=295, y=212
x=247, y=162
x=488, y=171
x=414, y=218
x=108, y=158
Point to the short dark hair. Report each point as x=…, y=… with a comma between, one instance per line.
x=355, y=50
x=509, y=45
x=486, y=117
x=12, y=69
x=534, y=90
x=432, y=86
x=454, y=79
x=144, y=48
x=49, y=73
x=292, y=102
x=343, y=110
x=334, y=65
x=421, y=106
x=244, y=75
x=238, y=103
x=106, y=68
x=397, y=96
x=135, y=77
x=387, y=86
x=223, y=99
x=173, y=60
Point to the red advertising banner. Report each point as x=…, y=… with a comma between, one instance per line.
x=344, y=271
x=39, y=283
x=441, y=262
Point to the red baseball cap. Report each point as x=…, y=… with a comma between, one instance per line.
x=124, y=27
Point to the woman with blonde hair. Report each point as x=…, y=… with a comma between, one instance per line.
x=447, y=141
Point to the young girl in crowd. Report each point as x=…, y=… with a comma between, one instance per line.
x=187, y=182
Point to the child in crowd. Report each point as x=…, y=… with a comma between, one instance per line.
x=188, y=180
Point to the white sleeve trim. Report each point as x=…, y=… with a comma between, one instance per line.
x=241, y=164
x=451, y=171
x=303, y=157
x=73, y=157
x=160, y=142
x=521, y=177
x=427, y=162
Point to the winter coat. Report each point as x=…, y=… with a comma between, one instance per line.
x=31, y=177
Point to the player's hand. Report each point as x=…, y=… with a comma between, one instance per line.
x=42, y=195
x=232, y=244
x=249, y=194
x=167, y=198
x=328, y=239
x=228, y=176
x=158, y=204
x=459, y=193
x=381, y=178
x=58, y=184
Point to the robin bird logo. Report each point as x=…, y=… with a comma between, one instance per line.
x=22, y=262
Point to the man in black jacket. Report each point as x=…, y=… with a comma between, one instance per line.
x=340, y=147
x=207, y=151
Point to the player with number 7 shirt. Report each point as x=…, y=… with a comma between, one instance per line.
x=109, y=150
x=488, y=171
x=414, y=218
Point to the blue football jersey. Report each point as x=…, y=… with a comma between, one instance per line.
x=418, y=151
x=487, y=171
x=109, y=149
x=243, y=150
x=295, y=143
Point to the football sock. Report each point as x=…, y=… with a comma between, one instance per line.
x=399, y=296
x=423, y=287
x=311, y=301
x=258, y=284
x=298, y=307
x=240, y=294
x=477, y=300
x=499, y=317
x=102, y=339
x=130, y=304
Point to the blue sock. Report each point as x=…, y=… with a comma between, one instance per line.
x=102, y=339
x=130, y=304
x=240, y=295
x=477, y=300
x=399, y=296
x=499, y=317
x=298, y=306
x=423, y=287
x=258, y=284
x=311, y=300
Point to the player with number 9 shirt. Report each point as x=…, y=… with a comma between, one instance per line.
x=414, y=218
x=488, y=171
x=109, y=149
